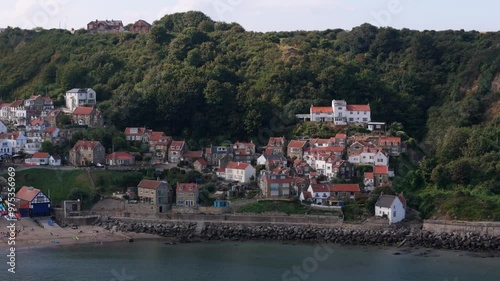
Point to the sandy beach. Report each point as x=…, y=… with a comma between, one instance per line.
x=32, y=235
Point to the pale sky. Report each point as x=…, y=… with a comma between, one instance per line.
x=262, y=15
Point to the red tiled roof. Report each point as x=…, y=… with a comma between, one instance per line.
x=40, y=155
x=85, y=145
x=381, y=170
x=322, y=187
x=149, y=184
x=120, y=156
x=83, y=110
x=237, y=166
x=368, y=175
x=4, y=104
x=186, y=187
x=402, y=199
x=202, y=162
x=140, y=131
x=156, y=136
x=221, y=170
x=16, y=103
x=389, y=140
x=345, y=188
x=280, y=141
x=340, y=136
x=27, y=194
x=297, y=143
x=50, y=130
x=358, y=107
x=321, y=109
x=246, y=144
x=175, y=144
x=319, y=141
x=193, y=154
x=36, y=122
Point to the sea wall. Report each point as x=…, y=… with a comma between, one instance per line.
x=261, y=219
x=462, y=227
x=393, y=237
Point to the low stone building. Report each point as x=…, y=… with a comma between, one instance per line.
x=157, y=193
x=86, y=153
x=187, y=195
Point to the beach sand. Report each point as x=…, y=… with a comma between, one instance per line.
x=32, y=235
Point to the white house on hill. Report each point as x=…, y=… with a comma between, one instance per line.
x=393, y=207
x=340, y=113
x=80, y=97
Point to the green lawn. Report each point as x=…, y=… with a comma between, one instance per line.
x=58, y=183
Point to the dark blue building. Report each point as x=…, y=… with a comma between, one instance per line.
x=33, y=203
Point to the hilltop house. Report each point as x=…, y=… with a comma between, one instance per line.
x=87, y=153
x=32, y=202
x=156, y=193
x=340, y=113
x=158, y=145
x=80, y=97
x=276, y=146
x=140, y=26
x=187, y=195
x=244, y=152
x=392, y=207
x=105, y=26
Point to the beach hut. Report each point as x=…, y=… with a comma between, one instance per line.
x=39, y=204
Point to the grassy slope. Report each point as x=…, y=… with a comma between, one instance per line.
x=60, y=182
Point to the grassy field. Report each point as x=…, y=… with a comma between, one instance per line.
x=58, y=183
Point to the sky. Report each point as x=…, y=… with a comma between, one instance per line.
x=262, y=15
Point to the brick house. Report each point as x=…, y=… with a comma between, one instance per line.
x=187, y=195
x=105, y=26
x=140, y=26
x=275, y=186
x=200, y=165
x=156, y=193
x=296, y=149
x=87, y=153
x=158, y=145
x=219, y=156
x=276, y=145
x=244, y=152
x=87, y=116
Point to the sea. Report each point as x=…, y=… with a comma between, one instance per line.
x=247, y=261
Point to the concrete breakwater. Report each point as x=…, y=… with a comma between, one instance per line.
x=397, y=236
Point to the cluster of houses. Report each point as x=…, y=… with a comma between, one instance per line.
x=26, y=124
x=115, y=26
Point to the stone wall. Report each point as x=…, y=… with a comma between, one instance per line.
x=200, y=210
x=264, y=219
x=462, y=227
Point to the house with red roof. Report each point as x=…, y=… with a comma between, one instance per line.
x=369, y=181
x=33, y=202
x=380, y=174
x=39, y=158
x=340, y=113
x=187, y=195
x=392, y=145
x=296, y=149
x=176, y=150
x=80, y=97
x=136, y=134
x=140, y=26
x=200, y=165
x=276, y=145
x=86, y=153
x=344, y=191
x=244, y=152
x=191, y=156
x=158, y=145
x=239, y=171
x=87, y=116
x=157, y=193
x=319, y=191
x=120, y=159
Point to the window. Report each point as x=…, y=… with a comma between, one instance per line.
x=394, y=214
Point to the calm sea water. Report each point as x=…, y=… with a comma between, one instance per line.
x=155, y=260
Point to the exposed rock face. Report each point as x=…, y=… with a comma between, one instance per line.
x=185, y=232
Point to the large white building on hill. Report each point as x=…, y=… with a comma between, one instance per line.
x=340, y=113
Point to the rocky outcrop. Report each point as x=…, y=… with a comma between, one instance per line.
x=390, y=237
